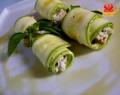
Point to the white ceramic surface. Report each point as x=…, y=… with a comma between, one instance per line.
x=92, y=72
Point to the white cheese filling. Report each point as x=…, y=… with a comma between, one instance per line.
x=103, y=35
x=41, y=32
x=59, y=16
x=61, y=64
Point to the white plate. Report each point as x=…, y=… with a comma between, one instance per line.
x=92, y=72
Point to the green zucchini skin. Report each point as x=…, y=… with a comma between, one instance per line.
x=23, y=23
x=49, y=49
x=47, y=8
x=81, y=24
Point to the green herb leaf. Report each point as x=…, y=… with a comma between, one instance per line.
x=36, y=26
x=46, y=25
x=14, y=41
x=45, y=22
x=32, y=28
x=72, y=7
x=98, y=12
x=51, y=30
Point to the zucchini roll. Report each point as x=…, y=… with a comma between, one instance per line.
x=87, y=28
x=50, y=49
x=51, y=9
x=23, y=23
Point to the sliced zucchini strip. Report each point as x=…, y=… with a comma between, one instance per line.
x=52, y=51
x=87, y=28
x=51, y=9
x=23, y=23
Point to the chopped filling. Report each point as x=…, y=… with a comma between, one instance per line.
x=102, y=36
x=41, y=32
x=59, y=16
x=26, y=41
x=60, y=65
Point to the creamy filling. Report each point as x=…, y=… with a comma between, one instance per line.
x=103, y=35
x=59, y=15
x=61, y=64
x=41, y=32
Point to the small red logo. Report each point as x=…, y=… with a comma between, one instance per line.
x=108, y=8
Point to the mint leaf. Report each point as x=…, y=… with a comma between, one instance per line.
x=14, y=41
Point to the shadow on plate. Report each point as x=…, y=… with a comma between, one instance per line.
x=36, y=68
x=39, y=71
x=79, y=49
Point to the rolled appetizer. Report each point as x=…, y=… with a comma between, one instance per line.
x=23, y=23
x=87, y=28
x=51, y=9
x=50, y=49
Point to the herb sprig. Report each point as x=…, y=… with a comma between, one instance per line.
x=30, y=33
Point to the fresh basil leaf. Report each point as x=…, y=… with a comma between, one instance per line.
x=14, y=41
x=46, y=25
x=98, y=12
x=56, y=28
x=51, y=30
x=51, y=27
x=45, y=22
x=32, y=28
x=72, y=7
x=36, y=26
